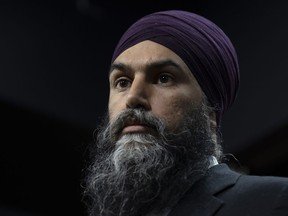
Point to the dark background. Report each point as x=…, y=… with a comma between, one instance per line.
x=54, y=58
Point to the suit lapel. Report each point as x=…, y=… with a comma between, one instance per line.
x=201, y=199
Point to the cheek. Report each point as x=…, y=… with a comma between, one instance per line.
x=177, y=114
x=114, y=107
x=172, y=110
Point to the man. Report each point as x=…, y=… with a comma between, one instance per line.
x=173, y=75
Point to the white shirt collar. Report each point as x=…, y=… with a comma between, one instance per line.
x=213, y=161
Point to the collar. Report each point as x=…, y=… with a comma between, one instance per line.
x=213, y=161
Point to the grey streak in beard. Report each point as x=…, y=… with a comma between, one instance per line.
x=138, y=173
x=136, y=147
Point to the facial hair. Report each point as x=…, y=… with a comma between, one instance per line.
x=141, y=174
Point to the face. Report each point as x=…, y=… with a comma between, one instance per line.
x=144, y=157
x=152, y=77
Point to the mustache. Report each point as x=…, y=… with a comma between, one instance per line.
x=135, y=116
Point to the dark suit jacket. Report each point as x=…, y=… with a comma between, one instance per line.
x=224, y=192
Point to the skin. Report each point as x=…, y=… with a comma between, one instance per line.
x=153, y=77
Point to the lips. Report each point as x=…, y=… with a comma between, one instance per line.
x=134, y=126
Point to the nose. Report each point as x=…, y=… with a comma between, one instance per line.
x=138, y=95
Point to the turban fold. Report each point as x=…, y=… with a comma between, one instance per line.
x=201, y=44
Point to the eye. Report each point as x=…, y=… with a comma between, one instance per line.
x=165, y=79
x=122, y=83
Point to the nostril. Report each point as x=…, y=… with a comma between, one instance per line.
x=137, y=103
x=139, y=106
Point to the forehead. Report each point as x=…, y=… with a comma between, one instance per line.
x=147, y=52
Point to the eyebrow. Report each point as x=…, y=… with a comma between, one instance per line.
x=152, y=65
x=118, y=66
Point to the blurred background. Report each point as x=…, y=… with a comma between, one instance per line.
x=54, y=58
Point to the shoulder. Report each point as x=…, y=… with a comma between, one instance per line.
x=264, y=193
x=272, y=182
x=249, y=183
x=224, y=192
x=256, y=182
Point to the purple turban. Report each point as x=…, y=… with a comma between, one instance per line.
x=202, y=45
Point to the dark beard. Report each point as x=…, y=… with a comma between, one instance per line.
x=143, y=173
